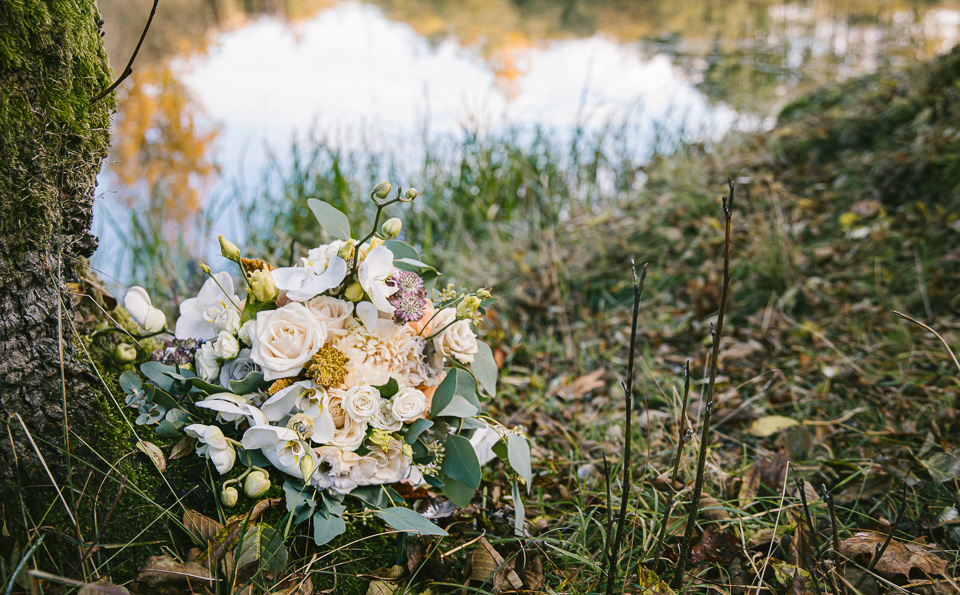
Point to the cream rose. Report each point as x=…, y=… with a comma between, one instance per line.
x=457, y=341
x=347, y=434
x=391, y=465
x=407, y=404
x=227, y=346
x=227, y=320
x=283, y=340
x=333, y=313
x=383, y=419
x=206, y=362
x=361, y=402
x=245, y=332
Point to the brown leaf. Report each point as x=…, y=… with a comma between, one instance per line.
x=182, y=448
x=713, y=509
x=716, y=547
x=164, y=569
x=899, y=559
x=583, y=385
x=236, y=525
x=749, y=486
x=530, y=569
x=103, y=587
x=488, y=564
x=199, y=525
x=294, y=585
x=153, y=451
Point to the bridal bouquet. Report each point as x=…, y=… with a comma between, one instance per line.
x=338, y=376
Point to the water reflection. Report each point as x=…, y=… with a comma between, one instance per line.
x=220, y=81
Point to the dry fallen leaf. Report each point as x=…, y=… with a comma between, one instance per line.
x=488, y=564
x=103, y=587
x=164, y=569
x=153, y=451
x=899, y=559
x=182, y=448
x=770, y=425
x=716, y=547
x=582, y=385
x=200, y=525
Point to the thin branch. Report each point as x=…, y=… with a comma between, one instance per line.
x=687, y=544
x=682, y=436
x=883, y=546
x=828, y=498
x=814, y=538
x=128, y=69
x=628, y=430
x=936, y=334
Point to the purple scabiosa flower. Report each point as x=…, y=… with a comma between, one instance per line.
x=409, y=307
x=408, y=282
x=175, y=352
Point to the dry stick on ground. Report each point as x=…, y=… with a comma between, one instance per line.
x=883, y=546
x=609, y=537
x=682, y=436
x=828, y=498
x=936, y=334
x=611, y=571
x=128, y=69
x=814, y=538
x=686, y=544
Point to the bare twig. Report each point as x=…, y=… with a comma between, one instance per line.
x=883, y=546
x=687, y=544
x=936, y=334
x=128, y=69
x=608, y=540
x=814, y=538
x=828, y=498
x=611, y=574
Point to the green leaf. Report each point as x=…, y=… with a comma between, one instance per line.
x=500, y=449
x=177, y=417
x=415, y=429
x=300, y=500
x=421, y=456
x=402, y=250
x=264, y=546
x=380, y=496
x=457, y=493
x=484, y=369
x=130, y=382
x=251, y=382
x=457, y=382
x=325, y=529
x=333, y=504
x=404, y=519
x=458, y=407
x=518, y=511
x=155, y=372
x=166, y=429
x=460, y=461
x=155, y=395
x=331, y=219
x=204, y=386
x=518, y=453
x=389, y=389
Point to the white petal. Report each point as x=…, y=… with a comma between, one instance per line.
x=324, y=427
x=368, y=315
x=223, y=459
x=289, y=278
x=266, y=437
x=137, y=302
x=282, y=402
x=155, y=320
x=191, y=325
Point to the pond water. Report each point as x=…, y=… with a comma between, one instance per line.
x=221, y=88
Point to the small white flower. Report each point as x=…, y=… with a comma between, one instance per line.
x=361, y=402
x=407, y=404
x=342, y=471
x=197, y=315
x=244, y=334
x=212, y=444
x=226, y=346
x=384, y=420
x=321, y=270
x=392, y=465
x=206, y=363
x=228, y=320
x=141, y=309
x=373, y=272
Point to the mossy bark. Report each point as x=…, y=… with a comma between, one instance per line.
x=53, y=139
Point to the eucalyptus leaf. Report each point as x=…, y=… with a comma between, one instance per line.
x=457, y=493
x=250, y=383
x=484, y=368
x=460, y=461
x=325, y=529
x=379, y=496
x=130, y=382
x=155, y=372
x=166, y=429
x=160, y=397
x=458, y=407
x=415, y=429
x=333, y=503
x=331, y=219
x=404, y=519
x=518, y=454
x=389, y=389
x=519, y=513
x=204, y=386
x=457, y=382
x=402, y=250
x=262, y=545
x=300, y=500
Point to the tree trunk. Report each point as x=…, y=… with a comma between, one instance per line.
x=53, y=139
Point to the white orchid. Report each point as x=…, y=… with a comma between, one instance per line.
x=321, y=270
x=198, y=315
x=212, y=444
x=282, y=447
x=373, y=273
x=141, y=309
x=233, y=409
x=303, y=397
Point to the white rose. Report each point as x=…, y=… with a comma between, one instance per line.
x=391, y=465
x=206, y=361
x=333, y=313
x=383, y=419
x=245, y=332
x=347, y=434
x=227, y=320
x=285, y=339
x=227, y=346
x=407, y=404
x=138, y=304
x=361, y=402
x=458, y=341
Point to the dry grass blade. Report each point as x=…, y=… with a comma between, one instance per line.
x=935, y=333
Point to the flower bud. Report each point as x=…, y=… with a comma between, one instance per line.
x=256, y=484
x=228, y=249
x=346, y=250
x=306, y=468
x=354, y=292
x=406, y=450
x=204, y=268
x=229, y=497
x=262, y=286
x=410, y=194
x=382, y=190
x=379, y=439
x=468, y=307
x=483, y=294
x=302, y=424
x=391, y=227
x=124, y=353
